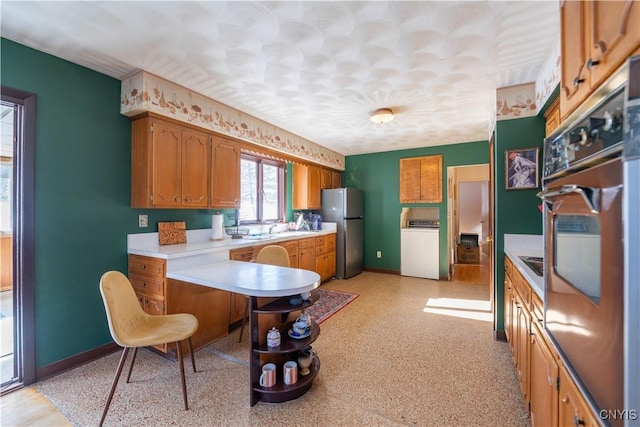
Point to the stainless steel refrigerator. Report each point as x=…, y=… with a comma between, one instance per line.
x=344, y=207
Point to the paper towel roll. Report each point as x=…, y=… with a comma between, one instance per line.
x=216, y=227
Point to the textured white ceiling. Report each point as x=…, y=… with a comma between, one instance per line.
x=316, y=69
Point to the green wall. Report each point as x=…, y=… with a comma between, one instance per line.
x=83, y=214
x=377, y=175
x=516, y=211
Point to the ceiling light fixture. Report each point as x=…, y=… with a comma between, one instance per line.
x=382, y=115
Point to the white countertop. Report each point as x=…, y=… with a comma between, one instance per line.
x=516, y=245
x=249, y=278
x=199, y=243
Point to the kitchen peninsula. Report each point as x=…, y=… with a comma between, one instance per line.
x=199, y=277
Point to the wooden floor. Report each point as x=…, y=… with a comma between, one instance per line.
x=28, y=407
x=471, y=273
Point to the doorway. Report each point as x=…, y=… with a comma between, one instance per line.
x=468, y=214
x=7, y=371
x=17, y=194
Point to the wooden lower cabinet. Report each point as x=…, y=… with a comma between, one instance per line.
x=325, y=264
x=550, y=394
x=209, y=305
x=543, y=381
x=159, y=296
x=237, y=307
x=522, y=348
x=307, y=254
x=572, y=408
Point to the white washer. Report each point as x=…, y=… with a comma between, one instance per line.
x=420, y=252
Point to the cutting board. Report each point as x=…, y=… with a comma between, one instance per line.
x=171, y=233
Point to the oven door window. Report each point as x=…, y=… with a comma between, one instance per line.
x=577, y=252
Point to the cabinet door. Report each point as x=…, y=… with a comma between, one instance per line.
x=195, y=169
x=306, y=187
x=543, y=381
x=336, y=180
x=409, y=180
x=552, y=117
x=315, y=201
x=572, y=408
x=325, y=179
x=225, y=174
x=431, y=179
x=522, y=350
x=507, y=310
x=307, y=259
x=238, y=307
x=167, y=165
x=574, y=84
x=615, y=35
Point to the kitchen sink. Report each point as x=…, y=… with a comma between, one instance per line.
x=535, y=263
x=261, y=237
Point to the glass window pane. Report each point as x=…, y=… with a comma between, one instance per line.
x=248, y=190
x=270, y=192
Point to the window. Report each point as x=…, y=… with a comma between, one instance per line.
x=262, y=186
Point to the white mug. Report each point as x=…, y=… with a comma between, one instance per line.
x=290, y=372
x=268, y=377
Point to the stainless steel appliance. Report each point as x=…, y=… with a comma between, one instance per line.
x=420, y=249
x=584, y=260
x=344, y=207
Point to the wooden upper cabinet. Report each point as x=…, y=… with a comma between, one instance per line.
x=421, y=179
x=306, y=187
x=596, y=37
x=552, y=117
x=615, y=34
x=166, y=154
x=325, y=179
x=336, y=179
x=574, y=84
x=168, y=165
x=195, y=169
x=225, y=174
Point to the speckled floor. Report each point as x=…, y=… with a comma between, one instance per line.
x=407, y=351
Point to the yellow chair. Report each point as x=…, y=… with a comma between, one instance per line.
x=272, y=255
x=131, y=327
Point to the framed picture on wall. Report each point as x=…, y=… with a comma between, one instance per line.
x=521, y=169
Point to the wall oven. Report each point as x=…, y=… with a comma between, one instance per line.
x=584, y=252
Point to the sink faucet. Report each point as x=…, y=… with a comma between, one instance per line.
x=272, y=227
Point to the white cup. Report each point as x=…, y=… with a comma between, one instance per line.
x=268, y=377
x=290, y=372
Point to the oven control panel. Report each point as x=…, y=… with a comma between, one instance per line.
x=596, y=136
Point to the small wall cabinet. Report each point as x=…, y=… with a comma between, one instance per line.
x=421, y=179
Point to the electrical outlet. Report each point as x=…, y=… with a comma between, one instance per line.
x=379, y=254
x=143, y=221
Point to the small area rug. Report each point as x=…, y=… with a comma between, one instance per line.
x=330, y=303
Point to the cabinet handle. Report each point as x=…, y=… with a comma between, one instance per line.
x=577, y=81
x=176, y=199
x=187, y=199
x=591, y=63
x=577, y=421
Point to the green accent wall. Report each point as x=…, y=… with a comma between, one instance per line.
x=516, y=211
x=82, y=200
x=378, y=174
